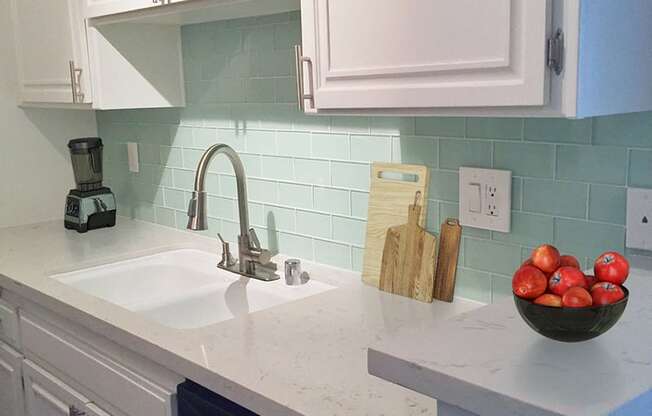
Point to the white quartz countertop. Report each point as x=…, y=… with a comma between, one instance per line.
x=307, y=357
x=490, y=362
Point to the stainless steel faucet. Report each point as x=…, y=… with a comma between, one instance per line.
x=253, y=261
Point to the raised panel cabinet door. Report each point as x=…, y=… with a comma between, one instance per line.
x=97, y=8
x=424, y=53
x=51, y=51
x=11, y=387
x=45, y=395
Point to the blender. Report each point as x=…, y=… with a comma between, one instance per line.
x=90, y=205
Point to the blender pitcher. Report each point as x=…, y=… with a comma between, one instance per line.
x=86, y=157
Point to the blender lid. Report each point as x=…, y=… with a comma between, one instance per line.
x=85, y=143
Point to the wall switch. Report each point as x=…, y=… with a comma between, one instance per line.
x=132, y=157
x=639, y=218
x=486, y=198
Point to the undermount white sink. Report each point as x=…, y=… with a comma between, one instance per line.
x=183, y=288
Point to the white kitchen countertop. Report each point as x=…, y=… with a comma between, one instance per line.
x=490, y=362
x=307, y=357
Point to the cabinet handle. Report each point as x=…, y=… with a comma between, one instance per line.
x=301, y=95
x=73, y=411
x=75, y=78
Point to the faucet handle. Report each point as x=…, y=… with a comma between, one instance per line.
x=227, y=257
x=253, y=239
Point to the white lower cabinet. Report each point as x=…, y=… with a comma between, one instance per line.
x=45, y=395
x=11, y=386
x=63, y=369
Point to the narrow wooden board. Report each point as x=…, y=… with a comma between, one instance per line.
x=409, y=257
x=388, y=199
x=449, y=248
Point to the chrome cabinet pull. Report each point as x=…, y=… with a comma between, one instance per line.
x=75, y=78
x=73, y=411
x=301, y=95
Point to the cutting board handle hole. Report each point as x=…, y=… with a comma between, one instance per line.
x=398, y=176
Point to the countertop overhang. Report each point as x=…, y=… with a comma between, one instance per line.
x=307, y=357
x=489, y=362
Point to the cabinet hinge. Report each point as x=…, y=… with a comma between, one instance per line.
x=555, y=52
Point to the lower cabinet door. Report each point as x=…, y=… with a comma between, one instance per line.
x=45, y=395
x=11, y=387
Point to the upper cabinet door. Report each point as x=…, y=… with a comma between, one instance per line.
x=424, y=53
x=96, y=8
x=51, y=52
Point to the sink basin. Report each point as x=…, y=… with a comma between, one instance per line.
x=183, y=288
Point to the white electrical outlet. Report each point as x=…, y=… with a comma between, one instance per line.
x=486, y=198
x=639, y=218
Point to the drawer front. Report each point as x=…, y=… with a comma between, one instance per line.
x=9, y=324
x=102, y=376
x=47, y=395
x=11, y=386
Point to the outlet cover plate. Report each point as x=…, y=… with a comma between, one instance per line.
x=495, y=187
x=639, y=218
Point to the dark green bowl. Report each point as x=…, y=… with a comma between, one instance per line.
x=571, y=324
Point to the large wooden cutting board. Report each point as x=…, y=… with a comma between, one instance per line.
x=388, y=197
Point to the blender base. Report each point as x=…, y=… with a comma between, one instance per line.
x=90, y=210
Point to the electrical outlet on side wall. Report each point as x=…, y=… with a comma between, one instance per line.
x=639, y=218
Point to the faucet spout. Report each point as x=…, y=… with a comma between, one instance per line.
x=253, y=261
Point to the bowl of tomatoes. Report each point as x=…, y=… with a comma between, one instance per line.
x=557, y=300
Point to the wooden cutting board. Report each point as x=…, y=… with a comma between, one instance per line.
x=449, y=248
x=409, y=259
x=390, y=193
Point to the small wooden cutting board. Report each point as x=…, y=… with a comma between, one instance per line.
x=449, y=249
x=409, y=259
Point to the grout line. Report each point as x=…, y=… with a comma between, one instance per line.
x=628, y=166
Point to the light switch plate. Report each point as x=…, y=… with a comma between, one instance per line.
x=639, y=218
x=495, y=198
x=132, y=157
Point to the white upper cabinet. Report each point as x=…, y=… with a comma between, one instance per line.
x=96, y=8
x=553, y=58
x=426, y=53
x=51, y=52
x=64, y=63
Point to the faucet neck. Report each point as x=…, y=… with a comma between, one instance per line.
x=199, y=198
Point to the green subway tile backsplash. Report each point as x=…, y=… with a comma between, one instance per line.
x=602, y=164
x=309, y=175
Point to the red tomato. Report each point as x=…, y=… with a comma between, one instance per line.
x=590, y=280
x=570, y=261
x=611, y=267
x=548, y=299
x=576, y=297
x=529, y=282
x=565, y=278
x=545, y=258
x=527, y=262
x=605, y=293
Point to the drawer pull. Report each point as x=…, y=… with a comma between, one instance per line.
x=73, y=411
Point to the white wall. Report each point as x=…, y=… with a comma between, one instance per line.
x=35, y=171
